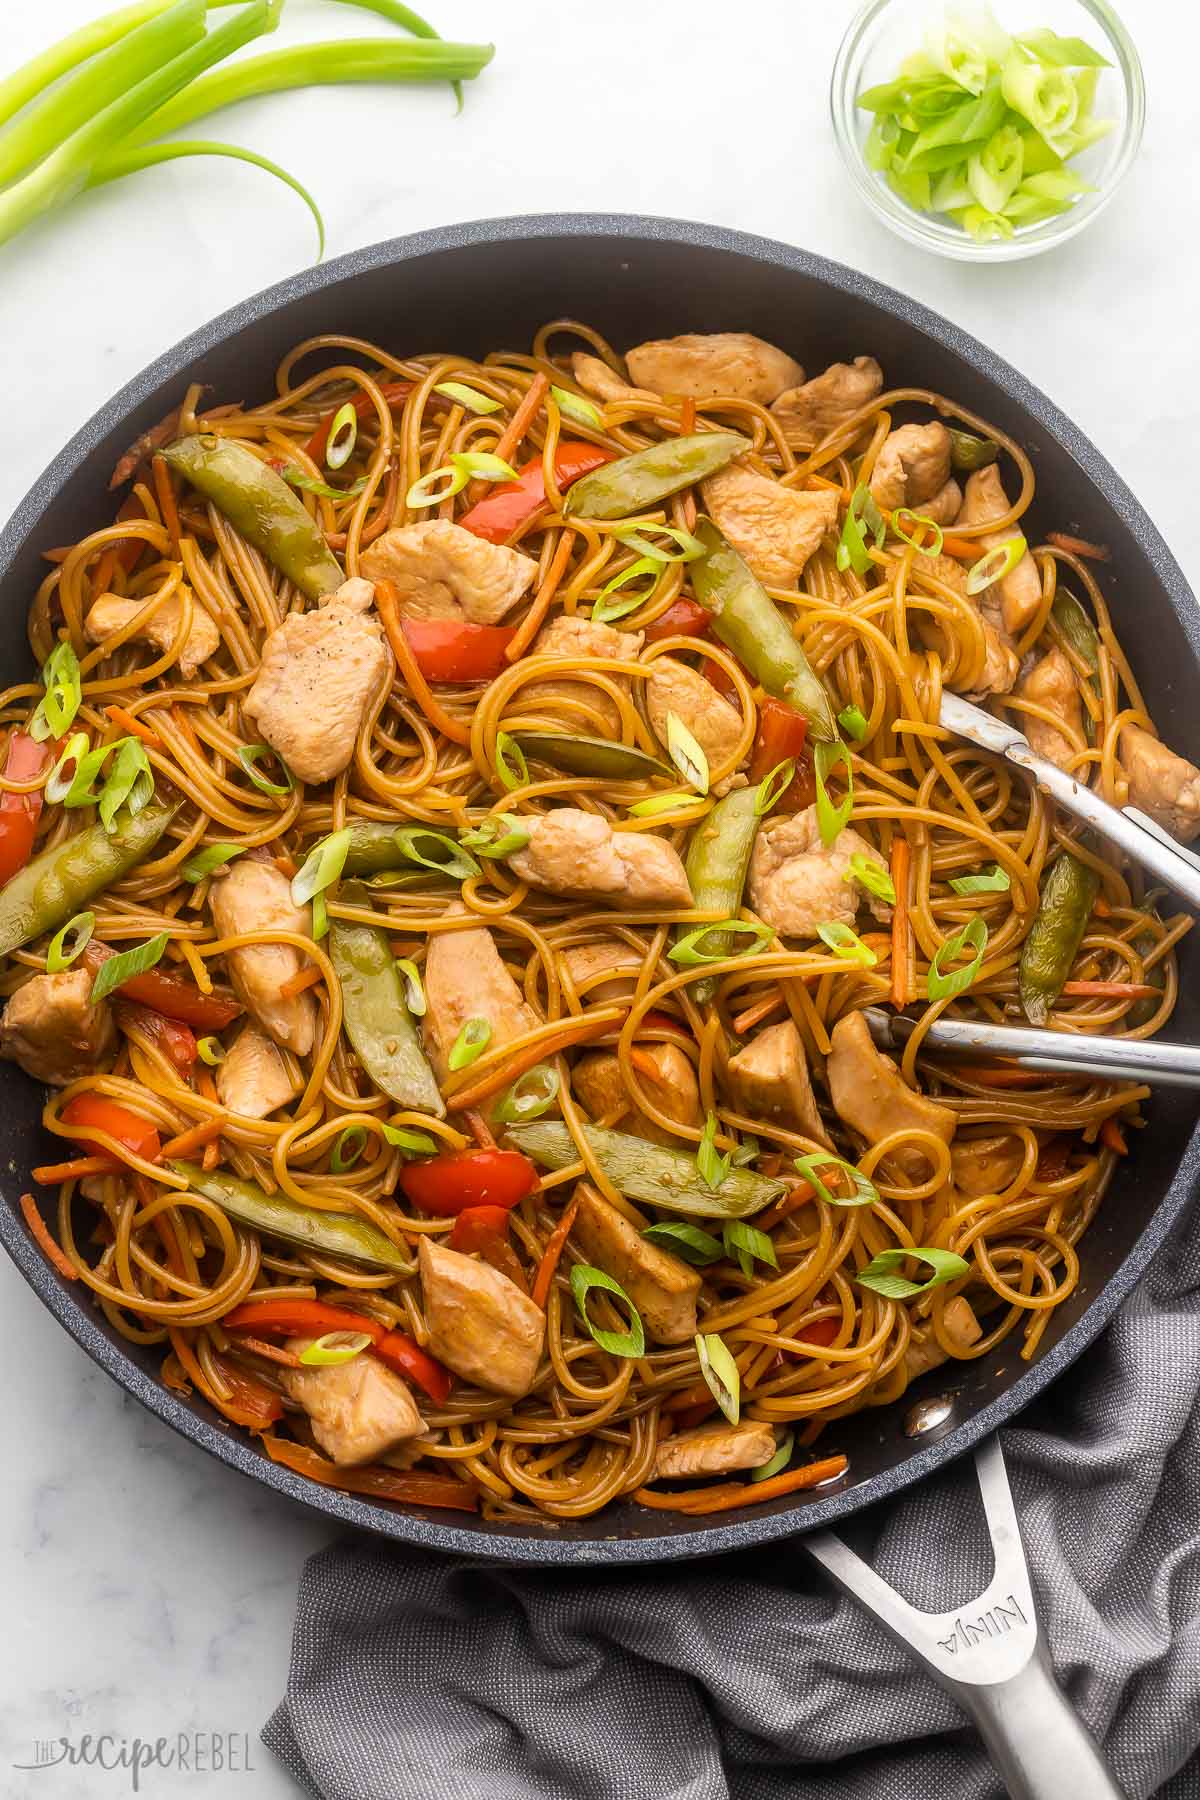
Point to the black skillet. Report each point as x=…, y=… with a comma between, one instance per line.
x=480, y=286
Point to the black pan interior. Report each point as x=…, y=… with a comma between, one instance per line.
x=489, y=285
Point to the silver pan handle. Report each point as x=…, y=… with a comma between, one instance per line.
x=989, y=1657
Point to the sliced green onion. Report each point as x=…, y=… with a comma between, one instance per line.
x=531, y=1095
x=748, y=1151
x=748, y=1245
x=500, y=834
x=122, y=968
x=687, y=1242
x=334, y=1348
x=993, y=881
x=853, y=721
x=456, y=862
x=1047, y=47
x=574, y=406
x=605, y=611
x=470, y=1044
x=832, y=820
x=249, y=755
x=83, y=790
x=973, y=937
x=634, y=537
x=994, y=173
x=774, y=786
x=968, y=452
x=881, y=1277
x=343, y=435
x=869, y=875
x=130, y=782
x=846, y=943
x=414, y=990
x=464, y=466
x=212, y=856
x=55, y=711
x=995, y=565
x=62, y=775
x=865, y=1193
x=409, y=1142
x=778, y=1462
x=688, y=955
x=80, y=930
x=712, y=1165
x=210, y=1050
x=321, y=867
x=720, y=1373
x=481, y=465
x=511, y=766
x=631, y=1343
x=852, y=551
x=920, y=521
x=466, y=396
x=659, y=804
x=686, y=753
x=309, y=484
x=349, y=1147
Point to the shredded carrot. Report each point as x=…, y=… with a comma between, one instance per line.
x=531, y=623
x=524, y=416
x=127, y=722
x=45, y=1243
x=387, y=605
x=645, y=1065
x=962, y=547
x=754, y=1015
x=416, y=1488
x=687, y=417
x=285, y=864
x=1113, y=990
x=724, y=1496
x=179, y=714
x=1063, y=540
x=49, y=1174
x=901, y=935
x=272, y=1352
x=1113, y=1138
x=296, y=984
x=787, y=1204
x=1101, y=908
x=480, y=1130
x=194, y=1139
x=1001, y=1078
x=104, y=571
x=551, y=1254
x=165, y=495
x=574, y=1031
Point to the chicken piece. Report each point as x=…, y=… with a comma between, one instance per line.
x=985, y=1165
x=716, y=725
x=256, y=896
x=596, y=1081
x=913, y=470
x=1164, y=785
x=604, y=384
x=714, y=1450
x=578, y=853
x=465, y=978
x=319, y=672
x=797, y=884
x=870, y=1094
x=961, y=1327
x=1051, y=683
x=586, y=961
x=441, y=571
x=701, y=365
x=111, y=613
x=775, y=528
x=811, y=412
x=1000, y=663
x=51, y=1028
x=769, y=1078
x=663, y=1288
x=480, y=1323
x=255, y=1078
x=1020, y=592
x=570, y=635
x=359, y=1409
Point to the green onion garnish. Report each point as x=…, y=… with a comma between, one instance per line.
x=853, y=722
x=310, y=485
x=993, y=881
x=864, y=1192
x=210, y=1050
x=687, y=953
x=918, y=521
x=774, y=786
x=334, y=1348
x=995, y=565
x=130, y=782
x=470, y=1044
x=574, y=406
x=869, y=875
x=531, y=1095
x=464, y=466
x=687, y=1242
x=511, y=766
x=712, y=1165
x=973, y=937
x=686, y=753
x=778, y=1462
x=343, y=435
x=349, y=1147
x=658, y=805
x=500, y=834
x=832, y=820
x=122, y=968
x=641, y=538
x=631, y=1343
x=75, y=770
x=748, y=1245
x=55, y=711
x=435, y=850
x=720, y=1373
x=79, y=930
x=213, y=856
x=249, y=755
x=414, y=989
x=466, y=396
x=409, y=1142
x=321, y=867
x=852, y=551
x=881, y=1277
x=604, y=611
x=846, y=943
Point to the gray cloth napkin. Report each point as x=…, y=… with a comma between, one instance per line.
x=749, y=1678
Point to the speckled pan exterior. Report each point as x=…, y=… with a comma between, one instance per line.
x=490, y=283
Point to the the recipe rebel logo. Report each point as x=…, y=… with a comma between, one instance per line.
x=184, y=1752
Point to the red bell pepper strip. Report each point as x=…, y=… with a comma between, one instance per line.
x=175, y=1040
x=683, y=618
x=400, y=1353
x=820, y=1333
x=168, y=995
x=453, y=650
x=251, y=1402
x=783, y=734
x=513, y=504
x=137, y=1135
x=363, y=405
x=450, y=1184
x=476, y=1226
x=19, y=813
x=715, y=675
x=298, y=1318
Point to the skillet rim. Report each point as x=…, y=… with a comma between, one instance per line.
x=538, y=1544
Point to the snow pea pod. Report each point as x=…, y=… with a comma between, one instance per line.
x=261, y=505
x=376, y=1016
x=329, y=1233
x=1068, y=893
x=60, y=882
x=717, y=860
x=589, y=756
x=633, y=483
x=749, y=623
x=669, y=1179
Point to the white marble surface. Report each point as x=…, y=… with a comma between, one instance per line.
x=148, y=1590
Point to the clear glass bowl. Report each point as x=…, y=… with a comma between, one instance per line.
x=886, y=31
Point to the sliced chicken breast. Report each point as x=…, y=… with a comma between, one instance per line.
x=769, y=1078
x=672, y=687
x=1051, y=683
x=663, y=1288
x=602, y=383
x=811, y=411
x=582, y=703
x=775, y=528
x=1164, y=785
x=255, y=1078
x=256, y=896
x=480, y=1323
x=358, y=1410
x=796, y=883
x=585, y=962
x=1000, y=660
x=578, y=853
x=465, y=978
x=111, y=614
x=871, y=1095
x=702, y=365
x=714, y=1450
x=961, y=1327
x=50, y=1027
x=441, y=571
x=1020, y=592
x=913, y=470
x=597, y=1084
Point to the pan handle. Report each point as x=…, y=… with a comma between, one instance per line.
x=988, y=1655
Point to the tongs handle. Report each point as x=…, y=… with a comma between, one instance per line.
x=989, y=1657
